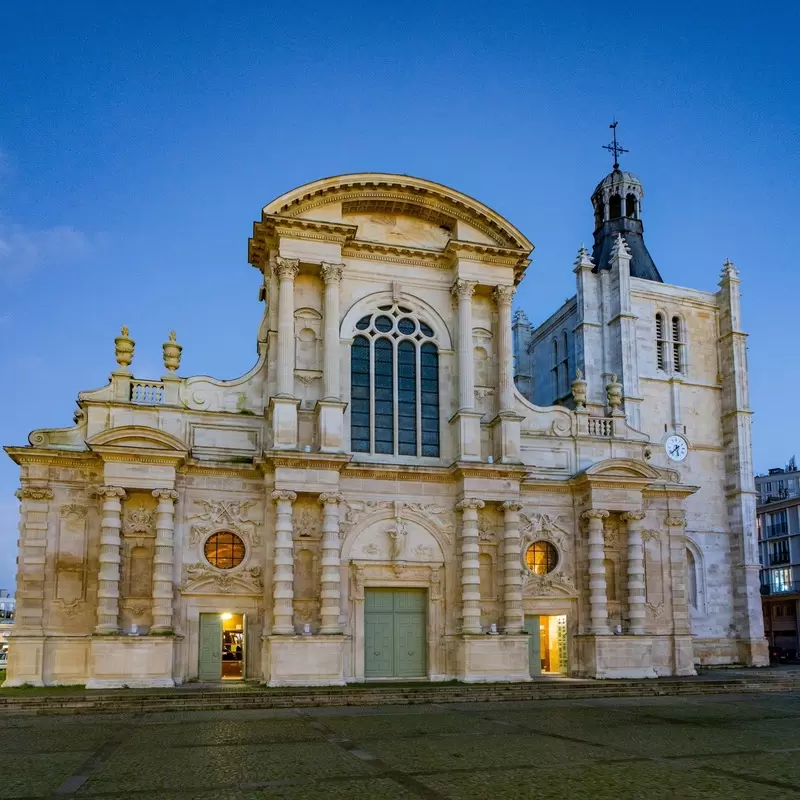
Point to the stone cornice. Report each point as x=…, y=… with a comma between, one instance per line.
x=51, y=457
x=469, y=469
x=276, y=459
x=394, y=254
x=139, y=455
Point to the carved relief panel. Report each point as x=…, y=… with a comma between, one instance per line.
x=307, y=523
x=138, y=548
x=71, y=560
x=549, y=579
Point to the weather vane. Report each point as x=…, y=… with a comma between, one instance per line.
x=615, y=147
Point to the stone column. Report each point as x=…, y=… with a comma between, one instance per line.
x=503, y=296
x=470, y=565
x=331, y=577
x=598, y=603
x=163, y=561
x=286, y=269
x=35, y=503
x=332, y=275
x=463, y=291
x=283, y=575
x=513, y=618
x=110, y=545
x=636, y=595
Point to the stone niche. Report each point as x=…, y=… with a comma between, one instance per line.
x=138, y=549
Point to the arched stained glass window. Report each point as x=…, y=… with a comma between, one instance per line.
x=394, y=400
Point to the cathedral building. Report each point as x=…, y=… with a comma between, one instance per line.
x=409, y=483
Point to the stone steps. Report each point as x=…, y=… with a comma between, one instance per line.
x=257, y=697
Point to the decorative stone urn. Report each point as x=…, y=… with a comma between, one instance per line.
x=172, y=353
x=614, y=395
x=124, y=349
x=579, y=390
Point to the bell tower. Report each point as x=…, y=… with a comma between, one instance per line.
x=617, y=203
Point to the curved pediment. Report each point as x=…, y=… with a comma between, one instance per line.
x=622, y=468
x=136, y=436
x=411, y=209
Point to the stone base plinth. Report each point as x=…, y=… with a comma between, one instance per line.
x=283, y=418
x=25, y=661
x=134, y=661
x=486, y=658
x=753, y=652
x=610, y=656
x=303, y=660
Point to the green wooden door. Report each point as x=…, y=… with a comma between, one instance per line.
x=210, y=664
x=534, y=645
x=395, y=642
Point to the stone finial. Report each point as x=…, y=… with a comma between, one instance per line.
x=729, y=270
x=172, y=353
x=584, y=258
x=614, y=394
x=620, y=248
x=521, y=318
x=124, y=349
x=579, y=390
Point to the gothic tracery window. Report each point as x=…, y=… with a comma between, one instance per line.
x=394, y=385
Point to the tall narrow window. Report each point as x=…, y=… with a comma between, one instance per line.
x=630, y=206
x=615, y=206
x=360, y=396
x=691, y=578
x=564, y=364
x=661, y=343
x=677, y=345
x=554, y=370
x=394, y=407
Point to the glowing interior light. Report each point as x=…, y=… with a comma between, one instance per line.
x=226, y=616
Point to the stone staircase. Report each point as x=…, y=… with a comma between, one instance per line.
x=197, y=697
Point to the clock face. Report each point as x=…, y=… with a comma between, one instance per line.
x=676, y=448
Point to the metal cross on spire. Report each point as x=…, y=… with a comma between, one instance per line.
x=615, y=147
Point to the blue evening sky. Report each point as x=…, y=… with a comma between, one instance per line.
x=139, y=141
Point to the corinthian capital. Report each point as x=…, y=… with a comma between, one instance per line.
x=675, y=522
x=463, y=290
x=633, y=516
x=470, y=503
x=284, y=494
x=331, y=273
x=286, y=268
x=34, y=493
x=511, y=505
x=594, y=513
x=333, y=498
x=165, y=494
x=503, y=295
x=110, y=492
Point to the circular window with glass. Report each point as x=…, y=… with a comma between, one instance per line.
x=224, y=550
x=541, y=558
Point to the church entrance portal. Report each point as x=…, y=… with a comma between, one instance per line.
x=222, y=647
x=394, y=633
x=547, y=644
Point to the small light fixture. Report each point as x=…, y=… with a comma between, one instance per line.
x=226, y=616
x=307, y=629
x=490, y=460
x=493, y=628
x=307, y=448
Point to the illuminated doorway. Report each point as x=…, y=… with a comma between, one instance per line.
x=222, y=647
x=547, y=644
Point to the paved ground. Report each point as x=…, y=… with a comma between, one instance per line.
x=733, y=746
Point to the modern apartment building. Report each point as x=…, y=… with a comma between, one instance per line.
x=779, y=551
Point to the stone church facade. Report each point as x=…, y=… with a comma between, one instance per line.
x=408, y=483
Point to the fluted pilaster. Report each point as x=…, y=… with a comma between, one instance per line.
x=332, y=276
x=463, y=291
x=503, y=295
x=286, y=269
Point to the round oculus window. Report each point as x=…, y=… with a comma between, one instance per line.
x=541, y=558
x=224, y=550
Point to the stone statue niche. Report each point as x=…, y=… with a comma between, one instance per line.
x=138, y=549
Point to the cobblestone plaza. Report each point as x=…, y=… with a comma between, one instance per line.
x=735, y=746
